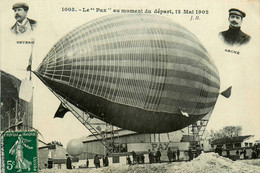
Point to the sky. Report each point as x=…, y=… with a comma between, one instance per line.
x=242, y=71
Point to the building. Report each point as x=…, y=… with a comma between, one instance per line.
x=16, y=114
x=234, y=142
x=236, y=146
x=122, y=142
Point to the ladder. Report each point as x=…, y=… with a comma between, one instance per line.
x=197, y=130
x=203, y=124
x=84, y=118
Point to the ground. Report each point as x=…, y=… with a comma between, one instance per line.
x=205, y=163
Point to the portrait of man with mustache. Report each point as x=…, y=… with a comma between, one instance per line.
x=234, y=36
x=23, y=24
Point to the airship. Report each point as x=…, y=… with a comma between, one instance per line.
x=139, y=72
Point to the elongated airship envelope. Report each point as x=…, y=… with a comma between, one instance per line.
x=139, y=72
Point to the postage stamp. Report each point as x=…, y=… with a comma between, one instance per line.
x=20, y=152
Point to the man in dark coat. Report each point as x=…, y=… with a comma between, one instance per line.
x=106, y=160
x=137, y=158
x=134, y=156
x=190, y=154
x=244, y=152
x=220, y=151
x=97, y=161
x=174, y=155
x=158, y=155
x=129, y=162
x=151, y=156
x=170, y=155
x=23, y=24
x=228, y=153
x=87, y=163
x=234, y=36
x=178, y=154
x=50, y=163
x=237, y=154
x=142, y=158
x=68, y=162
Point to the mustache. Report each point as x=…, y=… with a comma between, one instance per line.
x=234, y=22
x=17, y=15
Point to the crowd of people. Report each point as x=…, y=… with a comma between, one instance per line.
x=241, y=153
x=140, y=158
x=137, y=158
x=97, y=161
x=155, y=157
x=172, y=154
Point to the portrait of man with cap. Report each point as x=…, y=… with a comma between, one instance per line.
x=234, y=36
x=23, y=24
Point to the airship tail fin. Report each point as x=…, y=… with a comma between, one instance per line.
x=184, y=113
x=61, y=111
x=227, y=92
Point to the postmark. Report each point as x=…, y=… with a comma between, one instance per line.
x=20, y=152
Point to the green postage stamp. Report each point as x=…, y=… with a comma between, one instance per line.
x=20, y=152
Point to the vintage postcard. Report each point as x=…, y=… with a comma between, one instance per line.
x=99, y=86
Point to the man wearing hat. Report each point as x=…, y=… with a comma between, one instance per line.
x=234, y=35
x=23, y=24
x=68, y=162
